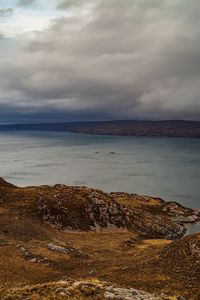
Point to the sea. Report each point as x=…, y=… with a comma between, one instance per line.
x=163, y=167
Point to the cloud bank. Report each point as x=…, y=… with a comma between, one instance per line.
x=108, y=60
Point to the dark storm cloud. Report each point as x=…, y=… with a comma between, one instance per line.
x=111, y=59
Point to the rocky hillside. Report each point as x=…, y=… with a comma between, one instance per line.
x=82, y=208
x=134, y=242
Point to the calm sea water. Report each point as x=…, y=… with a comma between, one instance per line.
x=162, y=167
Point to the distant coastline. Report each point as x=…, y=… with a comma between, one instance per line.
x=168, y=128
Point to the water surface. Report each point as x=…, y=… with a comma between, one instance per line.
x=162, y=167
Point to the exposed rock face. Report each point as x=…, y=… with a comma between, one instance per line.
x=128, y=294
x=81, y=208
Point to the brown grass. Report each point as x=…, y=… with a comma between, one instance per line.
x=120, y=256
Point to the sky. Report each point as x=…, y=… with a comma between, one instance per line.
x=76, y=60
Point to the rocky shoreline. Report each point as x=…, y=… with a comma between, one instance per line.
x=116, y=245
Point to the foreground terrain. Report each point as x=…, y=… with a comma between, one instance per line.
x=65, y=242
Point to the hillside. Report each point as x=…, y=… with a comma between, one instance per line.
x=66, y=242
x=172, y=128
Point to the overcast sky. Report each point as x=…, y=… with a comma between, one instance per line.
x=64, y=60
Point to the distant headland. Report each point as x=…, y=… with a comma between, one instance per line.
x=166, y=128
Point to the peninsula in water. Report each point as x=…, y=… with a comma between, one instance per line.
x=169, y=128
x=70, y=242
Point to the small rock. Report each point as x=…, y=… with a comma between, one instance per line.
x=88, y=290
x=33, y=260
x=56, y=248
x=63, y=292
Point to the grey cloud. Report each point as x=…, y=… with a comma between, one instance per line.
x=6, y=12
x=68, y=4
x=26, y=2
x=111, y=59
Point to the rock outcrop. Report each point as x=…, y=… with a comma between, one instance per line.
x=82, y=208
x=70, y=289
